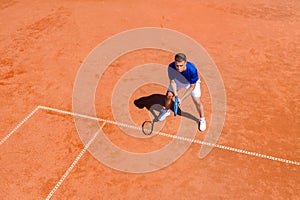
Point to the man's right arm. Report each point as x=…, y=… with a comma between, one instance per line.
x=174, y=87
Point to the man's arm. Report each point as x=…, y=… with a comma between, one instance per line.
x=174, y=87
x=188, y=92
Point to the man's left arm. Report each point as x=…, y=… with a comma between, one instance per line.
x=188, y=92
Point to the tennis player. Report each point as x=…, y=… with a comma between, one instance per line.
x=183, y=74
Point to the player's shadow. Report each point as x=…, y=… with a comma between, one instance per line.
x=155, y=102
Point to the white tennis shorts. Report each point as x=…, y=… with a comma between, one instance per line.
x=195, y=93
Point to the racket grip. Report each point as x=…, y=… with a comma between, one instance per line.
x=176, y=105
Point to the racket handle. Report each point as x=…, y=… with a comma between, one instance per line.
x=176, y=105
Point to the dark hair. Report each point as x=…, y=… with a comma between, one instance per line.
x=180, y=57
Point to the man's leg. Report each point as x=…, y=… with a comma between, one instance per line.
x=200, y=109
x=199, y=106
x=196, y=94
x=165, y=112
x=168, y=99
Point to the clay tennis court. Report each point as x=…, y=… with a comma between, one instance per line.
x=254, y=44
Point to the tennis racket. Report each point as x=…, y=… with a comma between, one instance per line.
x=147, y=127
x=176, y=105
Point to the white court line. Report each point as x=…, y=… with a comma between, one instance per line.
x=19, y=125
x=259, y=155
x=73, y=164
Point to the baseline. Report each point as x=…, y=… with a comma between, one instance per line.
x=223, y=147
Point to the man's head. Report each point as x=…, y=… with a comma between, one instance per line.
x=180, y=61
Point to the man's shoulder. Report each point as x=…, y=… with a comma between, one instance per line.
x=172, y=64
x=191, y=66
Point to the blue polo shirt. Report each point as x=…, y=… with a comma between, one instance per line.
x=190, y=75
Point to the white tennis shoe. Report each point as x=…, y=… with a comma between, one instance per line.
x=202, y=124
x=163, y=114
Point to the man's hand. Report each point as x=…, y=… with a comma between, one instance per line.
x=179, y=102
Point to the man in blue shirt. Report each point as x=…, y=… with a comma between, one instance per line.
x=183, y=74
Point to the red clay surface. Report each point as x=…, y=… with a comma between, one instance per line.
x=255, y=45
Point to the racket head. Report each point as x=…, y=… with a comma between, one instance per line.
x=147, y=127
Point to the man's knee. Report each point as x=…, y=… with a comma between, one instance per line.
x=169, y=95
x=196, y=100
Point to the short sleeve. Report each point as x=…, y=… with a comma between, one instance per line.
x=193, y=75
